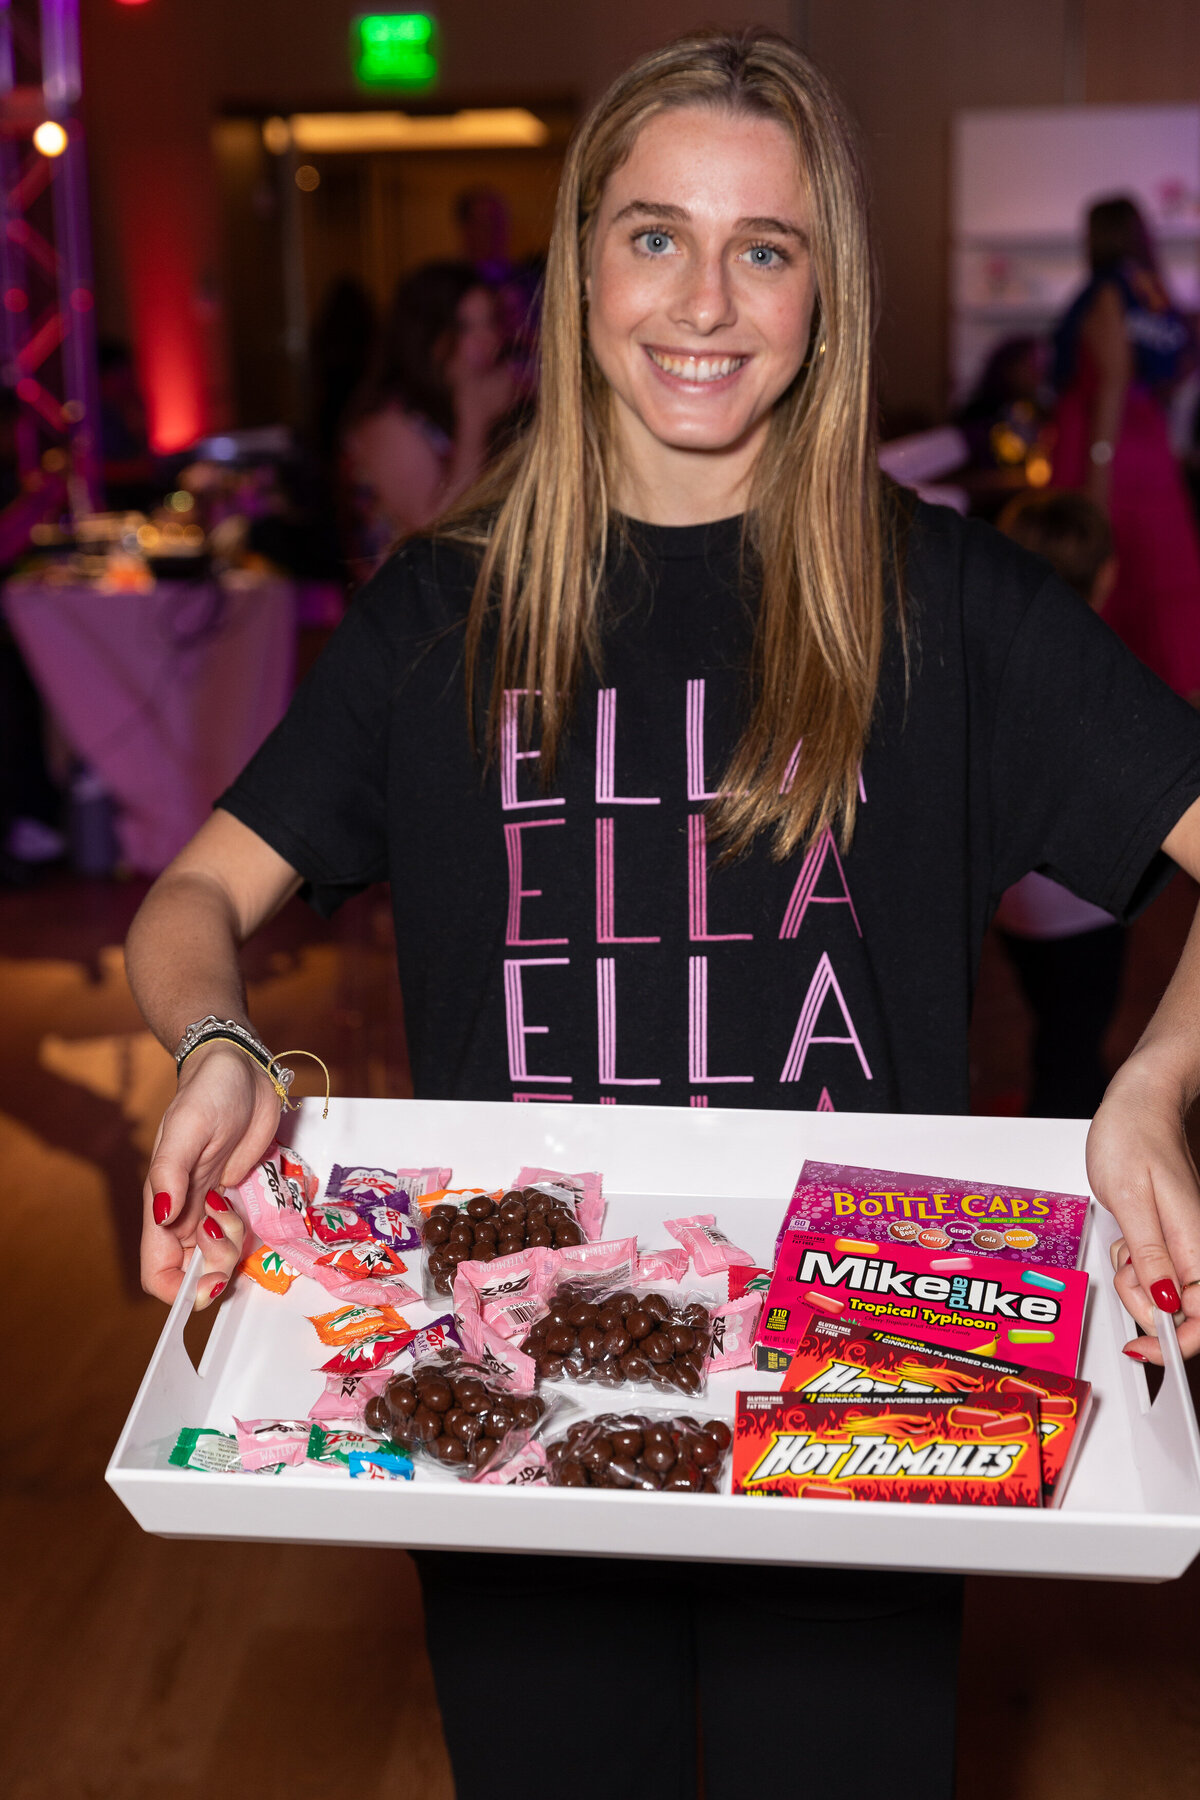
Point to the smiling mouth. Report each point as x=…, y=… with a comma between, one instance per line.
x=698, y=369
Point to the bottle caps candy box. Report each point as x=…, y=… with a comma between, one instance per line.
x=939, y=1213
x=982, y=1451
x=972, y=1303
x=836, y=1361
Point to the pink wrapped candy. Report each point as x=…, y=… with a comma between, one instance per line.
x=733, y=1329
x=662, y=1265
x=271, y=1443
x=709, y=1248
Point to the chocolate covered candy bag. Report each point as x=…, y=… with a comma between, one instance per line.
x=618, y=1334
x=650, y=1452
x=587, y=1190
x=454, y=1412
x=474, y=1226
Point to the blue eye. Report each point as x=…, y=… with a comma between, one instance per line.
x=765, y=256
x=654, y=243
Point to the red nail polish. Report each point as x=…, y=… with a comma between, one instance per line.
x=219, y=1289
x=218, y=1202
x=1135, y=1356
x=162, y=1206
x=1166, y=1295
x=214, y=1230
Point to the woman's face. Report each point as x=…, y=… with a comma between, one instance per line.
x=476, y=333
x=700, y=286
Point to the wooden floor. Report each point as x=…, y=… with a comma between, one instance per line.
x=141, y=1669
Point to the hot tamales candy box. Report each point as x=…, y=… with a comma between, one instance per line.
x=981, y=1450
x=835, y=1361
x=1029, y=1316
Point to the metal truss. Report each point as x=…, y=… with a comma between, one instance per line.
x=47, y=316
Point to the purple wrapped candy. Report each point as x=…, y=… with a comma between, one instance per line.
x=351, y=1185
x=389, y=1222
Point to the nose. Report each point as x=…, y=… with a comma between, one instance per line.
x=705, y=300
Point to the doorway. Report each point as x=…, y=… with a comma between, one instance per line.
x=300, y=216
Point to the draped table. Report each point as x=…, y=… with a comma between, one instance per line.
x=165, y=693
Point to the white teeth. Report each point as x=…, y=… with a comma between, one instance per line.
x=689, y=368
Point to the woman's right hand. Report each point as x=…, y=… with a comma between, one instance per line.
x=219, y=1125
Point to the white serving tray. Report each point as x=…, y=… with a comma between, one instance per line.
x=1132, y=1509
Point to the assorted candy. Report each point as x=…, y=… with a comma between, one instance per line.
x=916, y=1363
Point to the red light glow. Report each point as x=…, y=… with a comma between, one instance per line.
x=16, y=300
x=171, y=361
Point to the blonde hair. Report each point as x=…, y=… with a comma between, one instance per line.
x=815, y=521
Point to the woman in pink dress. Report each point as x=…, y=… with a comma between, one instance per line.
x=1119, y=349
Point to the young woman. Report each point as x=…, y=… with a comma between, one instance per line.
x=696, y=761
x=1120, y=350
x=417, y=435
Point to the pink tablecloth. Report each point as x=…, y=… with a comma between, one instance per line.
x=165, y=694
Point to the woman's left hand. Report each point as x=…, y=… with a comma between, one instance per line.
x=1141, y=1169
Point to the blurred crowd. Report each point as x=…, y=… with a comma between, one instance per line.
x=1083, y=448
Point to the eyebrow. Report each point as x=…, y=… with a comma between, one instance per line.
x=680, y=215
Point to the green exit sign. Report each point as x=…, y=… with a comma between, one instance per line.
x=396, y=50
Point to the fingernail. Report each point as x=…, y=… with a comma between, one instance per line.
x=218, y=1202
x=219, y=1289
x=214, y=1230
x=1134, y=1355
x=1166, y=1296
x=162, y=1206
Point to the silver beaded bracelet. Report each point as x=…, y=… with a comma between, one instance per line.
x=205, y=1031
x=229, y=1031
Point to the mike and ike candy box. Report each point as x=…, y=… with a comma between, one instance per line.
x=981, y=1450
x=940, y=1213
x=1024, y=1315
x=838, y=1362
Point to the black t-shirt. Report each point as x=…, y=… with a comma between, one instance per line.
x=579, y=943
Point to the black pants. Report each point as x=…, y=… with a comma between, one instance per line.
x=579, y=1678
x=1072, y=984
